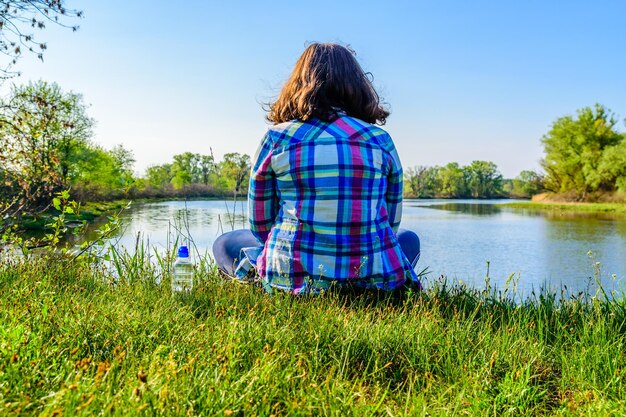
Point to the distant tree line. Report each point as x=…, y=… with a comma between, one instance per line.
x=193, y=174
x=480, y=179
x=46, y=146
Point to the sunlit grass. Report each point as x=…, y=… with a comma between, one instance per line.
x=77, y=339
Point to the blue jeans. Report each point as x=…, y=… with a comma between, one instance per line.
x=227, y=247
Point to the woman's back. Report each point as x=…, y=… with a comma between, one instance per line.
x=325, y=197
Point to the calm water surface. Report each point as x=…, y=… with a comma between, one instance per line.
x=458, y=239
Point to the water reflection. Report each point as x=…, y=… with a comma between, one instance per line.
x=458, y=239
x=163, y=223
x=472, y=208
x=542, y=249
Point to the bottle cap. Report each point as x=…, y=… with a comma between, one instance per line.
x=183, y=252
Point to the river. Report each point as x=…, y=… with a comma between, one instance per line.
x=461, y=240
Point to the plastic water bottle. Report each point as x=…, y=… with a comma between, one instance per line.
x=182, y=271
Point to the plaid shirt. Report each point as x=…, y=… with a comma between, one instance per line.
x=325, y=199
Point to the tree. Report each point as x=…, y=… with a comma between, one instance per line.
x=123, y=161
x=483, y=179
x=185, y=169
x=96, y=168
x=235, y=171
x=158, y=176
x=41, y=119
x=526, y=184
x=101, y=173
x=574, y=149
x=422, y=181
x=612, y=166
x=452, y=181
x=207, y=167
x=18, y=21
x=42, y=130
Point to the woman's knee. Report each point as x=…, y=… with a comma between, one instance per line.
x=410, y=244
x=227, y=247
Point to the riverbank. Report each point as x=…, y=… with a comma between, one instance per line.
x=87, y=212
x=608, y=208
x=76, y=342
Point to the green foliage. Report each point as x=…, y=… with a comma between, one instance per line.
x=45, y=146
x=41, y=130
x=527, y=184
x=584, y=154
x=422, y=181
x=159, y=176
x=612, y=166
x=483, y=179
x=453, y=181
x=185, y=169
x=55, y=228
x=102, y=172
x=47, y=124
x=191, y=168
x=235, y=171
x=480, y=179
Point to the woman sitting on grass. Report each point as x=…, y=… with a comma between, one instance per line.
x=325, y=197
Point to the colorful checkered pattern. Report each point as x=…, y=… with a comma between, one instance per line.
x=325, y=199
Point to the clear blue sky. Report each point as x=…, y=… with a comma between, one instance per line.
x=465, y=80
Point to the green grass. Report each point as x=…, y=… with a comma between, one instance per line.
x=611, y=208
x=76, y=341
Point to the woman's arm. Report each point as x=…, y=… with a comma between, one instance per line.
x=393, y=196
x=262, y=194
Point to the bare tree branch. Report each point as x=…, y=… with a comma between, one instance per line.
x=19, y=19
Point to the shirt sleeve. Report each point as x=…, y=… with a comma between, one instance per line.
x=262, y=194
x=393, y=196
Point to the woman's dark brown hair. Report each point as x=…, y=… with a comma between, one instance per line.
x=326, y=79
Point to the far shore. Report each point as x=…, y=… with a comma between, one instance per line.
x=612, y=208
x=91, y=210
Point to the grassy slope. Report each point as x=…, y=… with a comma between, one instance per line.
x=72, y=343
